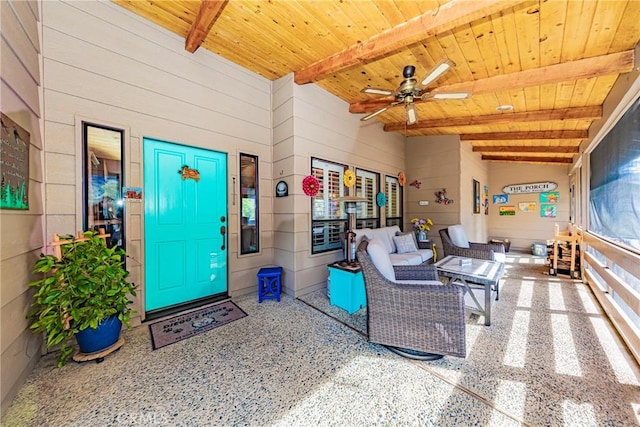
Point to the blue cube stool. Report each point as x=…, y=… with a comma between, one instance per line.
x=269, y=283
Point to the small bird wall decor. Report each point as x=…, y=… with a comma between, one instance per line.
x=188, y=173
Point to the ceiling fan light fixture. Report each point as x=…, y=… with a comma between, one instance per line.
x=439, y=69
x=411, y=113
x=504, y=107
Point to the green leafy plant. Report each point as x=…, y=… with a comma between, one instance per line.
x=87, y=285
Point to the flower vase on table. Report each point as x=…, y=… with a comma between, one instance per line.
x=421, y=235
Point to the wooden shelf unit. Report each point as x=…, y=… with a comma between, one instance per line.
x=564, y=253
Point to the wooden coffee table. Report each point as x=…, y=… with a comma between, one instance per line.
x=476, y=275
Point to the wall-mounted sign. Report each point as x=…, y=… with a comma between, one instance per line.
x=534, y=187
x=507, y=210
x=14, y=165
x=282, y=189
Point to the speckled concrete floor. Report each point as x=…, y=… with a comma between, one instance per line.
x=549, y=358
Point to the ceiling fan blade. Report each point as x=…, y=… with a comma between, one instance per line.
x=381, y=110
x=375, y=113
x=412, y=117
x=445, y=95
x=376, y=91
x=439, y=69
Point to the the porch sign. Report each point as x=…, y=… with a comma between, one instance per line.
x=534, y=187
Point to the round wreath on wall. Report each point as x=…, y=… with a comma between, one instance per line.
x=402, y=178
x=349, y=178
x=310, y=185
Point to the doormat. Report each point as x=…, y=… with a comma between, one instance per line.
x=187, y=325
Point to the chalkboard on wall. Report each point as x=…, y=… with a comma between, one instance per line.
x=14, y=165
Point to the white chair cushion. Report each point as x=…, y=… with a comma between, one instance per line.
x=380, y=258
x=500, y=257
x=404, y=244
x=458, y=236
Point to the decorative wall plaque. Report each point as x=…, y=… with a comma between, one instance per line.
x=533, y=187
x=14, y=164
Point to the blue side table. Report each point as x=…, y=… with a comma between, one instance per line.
x=269, y=283
x=346, y=286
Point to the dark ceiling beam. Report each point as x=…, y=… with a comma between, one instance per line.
x=207, y=15
x=530, y=159
x=527, y=135
x=447, y=17
x=527, y=149
x=614, y=63
x=576, y=113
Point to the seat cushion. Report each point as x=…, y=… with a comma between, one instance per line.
x=458, y=236
x=380, y=258
x=411, y=258
x=404, y=244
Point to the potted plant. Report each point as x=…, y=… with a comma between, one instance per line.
x=83, y=290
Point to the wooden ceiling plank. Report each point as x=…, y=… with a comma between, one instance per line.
x=448, y=16
x=579, y=113
x=205, y=18
x=553, y=15
x=629, y=28
x=579, y=16
x=527, y=149
x=503, y=28
x=529, y=159
x=604, y=27
x=526, y=36
x=545, y=134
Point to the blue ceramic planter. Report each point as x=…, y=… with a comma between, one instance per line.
x=105, y=335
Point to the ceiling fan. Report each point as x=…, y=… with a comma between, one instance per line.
x=410, y=90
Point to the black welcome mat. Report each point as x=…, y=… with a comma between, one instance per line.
x=183, y=326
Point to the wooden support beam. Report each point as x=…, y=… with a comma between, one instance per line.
x=529, y=135
x=207, y=15
x=615, y=63
x=529, y=159
x=526, y=149
x=450, y=15
x=576, y=113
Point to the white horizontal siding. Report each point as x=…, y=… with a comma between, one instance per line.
x=21, y=230
x=107, y=66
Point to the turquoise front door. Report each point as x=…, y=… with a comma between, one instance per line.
x=185, y=223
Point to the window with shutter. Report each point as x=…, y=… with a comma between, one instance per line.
x=329, y=222
x=393, y=208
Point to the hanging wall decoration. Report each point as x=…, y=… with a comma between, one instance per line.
x=188, y=173
x=310, y=185
x=402, y=179
x=415, y=183
x=349, y=178
x=381, y=199
x=441, y=197
x=14, y=165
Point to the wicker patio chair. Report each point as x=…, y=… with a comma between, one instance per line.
x=475, y=250
x=416, y=316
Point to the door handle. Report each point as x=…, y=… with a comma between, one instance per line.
x=223, y=232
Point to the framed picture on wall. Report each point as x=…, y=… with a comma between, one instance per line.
x=476, y=196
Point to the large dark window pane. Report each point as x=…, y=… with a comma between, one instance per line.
x=614, y=210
